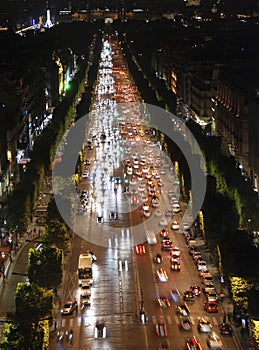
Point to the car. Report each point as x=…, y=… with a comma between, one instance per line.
x=196, y=254
x=86, y=301
x=202, y=265
x=211, y=306
x=85, y=290
x=145, y=207
x=147, y=213
x=185, y=323
x=85, y=173
x=176, y=252
x=204, y=326
x=140, y=249
x=158, y=258
x=162, y=274
x=193, y=344
x=163, y=302
x=167, y=245
x=225, y=329
x=209, y=288
x=161, y=330
x=176, y=209
x=196, y=290
x=134, y=200
x=214, y=341
x=175, y=295
x=204, y=273
x=188, y=296
x=182, y=309
x=164, y=233
x=69, y=307
x=100, y=330
x=212, y=296
x=192, y=249
x=175, y=226
x=175, y=265
x=207, y=279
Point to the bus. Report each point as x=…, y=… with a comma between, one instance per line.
x=84, y=269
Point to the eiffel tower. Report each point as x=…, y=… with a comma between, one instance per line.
x=48, y=23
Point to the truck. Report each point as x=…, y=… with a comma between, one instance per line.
x=84, y=269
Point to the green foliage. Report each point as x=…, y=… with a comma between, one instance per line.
x=45, y=266
x=32, y=303
x=56, y=233
x=20, y=336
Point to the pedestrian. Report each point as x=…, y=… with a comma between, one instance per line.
x=224, y=317
x=222, y=295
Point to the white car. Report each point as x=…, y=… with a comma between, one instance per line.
x=85, y=290
x=202, y=265
x=214, y=341
x=175, y=225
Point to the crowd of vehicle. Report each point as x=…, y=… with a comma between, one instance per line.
x=149, y=185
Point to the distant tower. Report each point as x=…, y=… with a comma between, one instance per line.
x=48, y=23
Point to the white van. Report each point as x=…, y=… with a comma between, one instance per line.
x=151, y=237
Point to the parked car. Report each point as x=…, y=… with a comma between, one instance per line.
x=225, y=329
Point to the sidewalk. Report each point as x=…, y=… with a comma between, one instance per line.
x=242, y=339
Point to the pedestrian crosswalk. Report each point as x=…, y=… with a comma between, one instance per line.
x=170, y=320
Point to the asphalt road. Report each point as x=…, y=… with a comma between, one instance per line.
x=123, y=280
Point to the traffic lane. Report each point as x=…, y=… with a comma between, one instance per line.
x=176, y=280
x=196, y=308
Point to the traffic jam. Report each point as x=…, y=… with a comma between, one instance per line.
x=134, y=165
